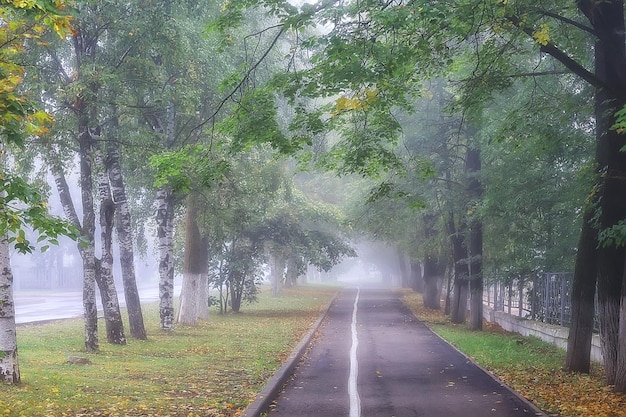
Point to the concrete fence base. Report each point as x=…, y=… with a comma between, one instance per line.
x=550, y=333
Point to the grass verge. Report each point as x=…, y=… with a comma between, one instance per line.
x=530, y=366
x=214, y=369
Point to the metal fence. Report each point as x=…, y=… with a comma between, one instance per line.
x=546, y=298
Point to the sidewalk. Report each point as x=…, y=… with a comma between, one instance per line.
x=404, y=369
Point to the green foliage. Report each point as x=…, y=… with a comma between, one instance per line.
x=620, y=122
x=24, y=208
x=300, y=236
x=21, y=205
x=536, y=163
x=24, y=21
x=389, y=190
x=254, y=121
x=614, y=236
x=190, y=167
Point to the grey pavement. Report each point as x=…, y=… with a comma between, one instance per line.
x=404, y=370
x=34, y=306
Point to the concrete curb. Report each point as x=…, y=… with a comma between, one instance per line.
x=264, y=399
x=531, y=406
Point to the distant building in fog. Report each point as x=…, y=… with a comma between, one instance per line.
x=58, y=267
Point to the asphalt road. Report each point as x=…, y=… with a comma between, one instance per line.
x=373, y=358
x=39, y=306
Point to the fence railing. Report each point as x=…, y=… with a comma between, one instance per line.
x=545, y=298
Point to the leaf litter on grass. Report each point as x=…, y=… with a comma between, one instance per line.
x=539, y=377
x=212, y=370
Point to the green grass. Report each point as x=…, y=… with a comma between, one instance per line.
x=502, y=350
x=214, y=369
x=530, y=366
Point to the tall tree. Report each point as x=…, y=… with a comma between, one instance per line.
x=20, y=202
x=104, y=265
x=353, y=59
x=193, y=297
x=475, y=238
x=123, y=226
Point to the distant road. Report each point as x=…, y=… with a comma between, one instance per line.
x=372, y=358
x=36, y=306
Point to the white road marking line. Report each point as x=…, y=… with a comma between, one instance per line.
x=355, y=401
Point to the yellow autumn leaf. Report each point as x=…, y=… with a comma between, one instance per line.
x=24, y=4
x=344, y=103
x=358, y=101
x=542, y=35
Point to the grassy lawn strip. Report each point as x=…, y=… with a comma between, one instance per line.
x=214, y=369
x=528, y=365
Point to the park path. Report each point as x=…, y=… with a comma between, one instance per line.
x=373, y=358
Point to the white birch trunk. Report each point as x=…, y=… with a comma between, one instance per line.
x=87, y=249
x=9, y=366
x=125, y=237
x=105, y=280
x=165, y=236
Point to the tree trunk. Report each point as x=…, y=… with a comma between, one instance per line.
x=612, y=162
x=195, y=267
x=165, y=236
x=403, y=268
x=236, y=276
x=460, y=295
x=87, y=249
x=476, y=277
x=277, y=270
x=458, y=304
x=620, y=366
x=291, y=273
x=583, y=297
x=9, y=366
x=124, y=236
x=110, y=305
x=86, y=245
x=475, y=235
x=607, y=20
x=104, y=270
x=203, y=297
x=433, y=276
x=188, y=309
x=417, y=281
x=236, y=294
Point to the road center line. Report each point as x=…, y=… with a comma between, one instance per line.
x=355, y=401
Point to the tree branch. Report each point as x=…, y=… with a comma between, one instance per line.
x=567, y=61
x=240, y=84
x=563, y=19
x=538, y=74
x=572, y=65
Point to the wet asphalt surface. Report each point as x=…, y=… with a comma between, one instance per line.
x=404, y=370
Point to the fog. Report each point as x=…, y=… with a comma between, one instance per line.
x=377, y=265
x=60, y=266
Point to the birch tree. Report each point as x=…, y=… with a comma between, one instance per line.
x=9, y=365
x=123, y=226
x=21, y=204
x=104, y=274
x=165, y=245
